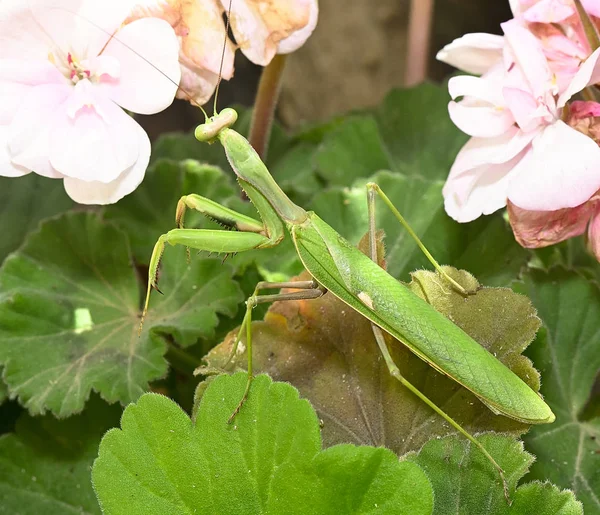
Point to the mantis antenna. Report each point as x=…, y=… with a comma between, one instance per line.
x=227, y=25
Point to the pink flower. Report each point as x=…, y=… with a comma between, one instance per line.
x=261, y=28
x=521, y=150
x=67, y=70
x=534, y=229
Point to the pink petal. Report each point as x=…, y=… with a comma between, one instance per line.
x=473, y=53
x=30, y=129
x=592, y=7
x=523, y=107
x=196, y=84
x=589, y=73
x=81, y=27
x=21, y=37
x=202, y=43
x=549, y=11
x=298, y=38
x=562, y=171
x=7, y=168
x=147, y=50
x=481, y=88
x=593, y=239
x=258, y=26
x=16, y=79
x=480, y=121
x=95, y=192
x=527, y=51
x=534, y=229
x=96, y=142
x=579, y=109
x=478, y=152
x=480, y=191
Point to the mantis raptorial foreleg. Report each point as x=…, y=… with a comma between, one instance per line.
x=245, y=233
x=378, y=333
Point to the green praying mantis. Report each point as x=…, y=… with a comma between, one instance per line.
x=356, y=279
x=343, y=270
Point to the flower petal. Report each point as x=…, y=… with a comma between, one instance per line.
x=95, y=192
x=480, y=191
x=549, y=11
x=473, y=53
x=16, y=79
x=7, y=167
x=29, y=131
x=196, y=83
x=527, y=52
x=80, y=27
x=479, y=152
x=259, y=25
x=480, y=121
x=592, y=7
x=588, y=73
x=147, y=50
x=535, y=229
x=94, y=139
x=298, y=38
x=563, y=171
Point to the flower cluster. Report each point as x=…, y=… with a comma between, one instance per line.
x=69, y=69
x=534, y=144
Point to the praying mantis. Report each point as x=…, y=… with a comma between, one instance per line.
x=342, y=270
x=357, y=280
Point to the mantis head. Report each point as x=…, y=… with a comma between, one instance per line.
x=210, y=130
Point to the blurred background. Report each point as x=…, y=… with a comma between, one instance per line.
x=357, y=53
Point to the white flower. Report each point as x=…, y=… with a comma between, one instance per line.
x=67, y=68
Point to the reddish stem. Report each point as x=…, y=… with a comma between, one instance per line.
x=419, y=32
x=267, y=96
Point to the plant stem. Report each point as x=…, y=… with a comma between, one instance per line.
x=419, y=31
x=267, y=95
x=181, y=360
x=588, y=26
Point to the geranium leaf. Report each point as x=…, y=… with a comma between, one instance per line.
x=70, y=314
x=350, y=385
x=24, y=201
x=566, y=350
x=267, y=461
x=45, y=465
x=463, y=483
x=410, y=133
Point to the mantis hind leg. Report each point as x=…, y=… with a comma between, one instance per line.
x=308, y=290
x=379, y=337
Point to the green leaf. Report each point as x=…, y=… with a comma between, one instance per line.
x=45, y=465
x=3, y=392
x=268, y=461
x=24, y=201
x=567, y=354
x=70, y=315
x=463, y=481
x=351, y=387
x=410, y=133
x=486, y=247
